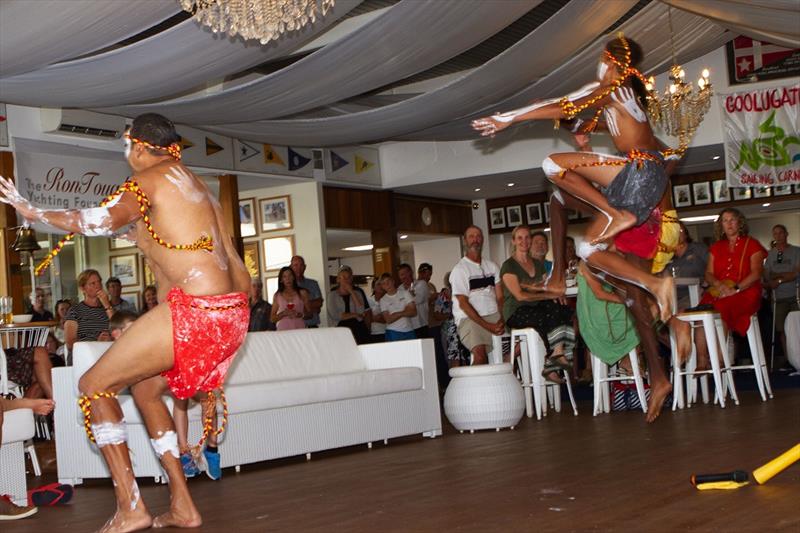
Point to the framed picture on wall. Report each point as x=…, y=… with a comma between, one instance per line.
x=276, y=213
x=126, y=268
x=252, y=259
x=534, y=213
x=278, y=252
x=547, y=211
x=133, y=297
x=742, y=193
x=514, y=216
x=247, y=217
x=497, y=218
x=721, y=191
x=782, y=190
x=762, y=192
x=147, y=273
x=115, y=243
x=681, y=195
x=702, y=193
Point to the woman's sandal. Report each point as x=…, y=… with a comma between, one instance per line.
x=49, y=495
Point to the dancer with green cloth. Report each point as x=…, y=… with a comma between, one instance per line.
x=605, y=323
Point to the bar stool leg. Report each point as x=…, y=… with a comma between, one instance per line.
x=752, y=334
x=539, y=399
x=760, y=345
x=569, y=393
x=711, y=340
x=726, y=360
x=525, y=372
x=637, y=379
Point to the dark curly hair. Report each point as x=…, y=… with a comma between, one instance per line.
x=616, y=48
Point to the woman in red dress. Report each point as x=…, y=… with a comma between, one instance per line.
x=733, y=273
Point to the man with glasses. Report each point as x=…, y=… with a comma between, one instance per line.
x=780, y=273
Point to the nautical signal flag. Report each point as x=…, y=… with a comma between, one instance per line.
x=184, y=142
x=212, y=147
x=272, y=157
x=362, y=165
x=247, y=151
x=338, y=162
x=297, y=161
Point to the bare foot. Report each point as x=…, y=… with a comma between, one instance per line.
x=658, y=393
x=683, y=338
x=553, y=377
x=703, y=361
x=40, y=406
x=123, y=521
x=617, y=223
x=176, y=518
x=663, y=291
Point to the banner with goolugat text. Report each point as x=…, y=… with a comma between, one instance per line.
x=761, y=132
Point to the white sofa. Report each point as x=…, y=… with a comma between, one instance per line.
x=17, y=428
x=289, y=393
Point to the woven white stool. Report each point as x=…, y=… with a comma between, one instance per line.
x=531, y=365
x=602, y=395
x=722, y=383
x=483, y=397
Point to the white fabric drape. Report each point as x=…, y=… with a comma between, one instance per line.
x=774, y=21
x=410, y=37
x=697, y=37
x=555, y=41
x=34, y=34
x=167, y=64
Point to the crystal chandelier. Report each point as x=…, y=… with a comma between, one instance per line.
x=680, y=110
x=263, y=20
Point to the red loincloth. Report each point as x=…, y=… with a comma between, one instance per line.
x=206, y=333
x=641, y=240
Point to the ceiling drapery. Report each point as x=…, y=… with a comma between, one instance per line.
x=562, y=35
x=410, y=37
x=697, y=37
x=167, y=64
x=34, y=35
x=774, y=21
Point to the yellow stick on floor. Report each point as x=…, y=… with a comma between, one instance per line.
x=777, y=465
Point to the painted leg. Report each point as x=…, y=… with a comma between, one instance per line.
x=147, y=395
x=558, y=235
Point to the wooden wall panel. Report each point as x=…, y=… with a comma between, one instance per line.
x=447, y=216
x=357, y=209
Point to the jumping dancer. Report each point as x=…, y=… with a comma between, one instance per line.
x=185, y=346
x=632, y=185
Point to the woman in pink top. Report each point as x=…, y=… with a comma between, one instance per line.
x=289, y=303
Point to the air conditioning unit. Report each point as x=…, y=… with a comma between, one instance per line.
x=82, y=123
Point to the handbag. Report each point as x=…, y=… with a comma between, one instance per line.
x=713, y=291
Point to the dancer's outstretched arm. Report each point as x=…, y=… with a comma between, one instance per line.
x=544, y=109
x=95, y=221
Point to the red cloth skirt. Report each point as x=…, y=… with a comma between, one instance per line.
x=641, y=240
x=206, y=333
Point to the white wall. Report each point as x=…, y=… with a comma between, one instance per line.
x=442, y=254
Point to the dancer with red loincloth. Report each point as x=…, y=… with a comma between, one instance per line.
x=186, y=346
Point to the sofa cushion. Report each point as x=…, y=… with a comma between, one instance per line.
x=17, y=425
x=293, y=354
x=303, y=391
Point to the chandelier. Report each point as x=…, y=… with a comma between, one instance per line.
x=263, y=20
x=681, y=109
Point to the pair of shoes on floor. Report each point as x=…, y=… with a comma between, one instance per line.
x=211, y=462
x=10, y=511
x=189, y=465
x=50, y=495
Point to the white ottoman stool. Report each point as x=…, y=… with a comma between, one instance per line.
x=483, y=397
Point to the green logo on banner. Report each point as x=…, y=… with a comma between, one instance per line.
x=770, y=151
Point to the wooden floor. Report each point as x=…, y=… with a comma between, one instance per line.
x=565, y=473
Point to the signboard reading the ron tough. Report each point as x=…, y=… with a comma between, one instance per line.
x=761, y=132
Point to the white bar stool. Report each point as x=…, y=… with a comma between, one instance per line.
x=713, y=331
x=601, y=378
x=532, y=364
x=759, y=361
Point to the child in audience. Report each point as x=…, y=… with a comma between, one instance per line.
x=120, y=322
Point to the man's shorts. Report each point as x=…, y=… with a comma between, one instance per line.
x=472, y=335
x=782, y=308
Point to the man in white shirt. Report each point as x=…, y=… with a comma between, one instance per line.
x=477, y=297
x=418, y=291
x=398, y=308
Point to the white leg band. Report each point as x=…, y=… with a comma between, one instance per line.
x=557, y=196
x=550, y=168
x=110, y=433
x=168, y=442
x=585, y=249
